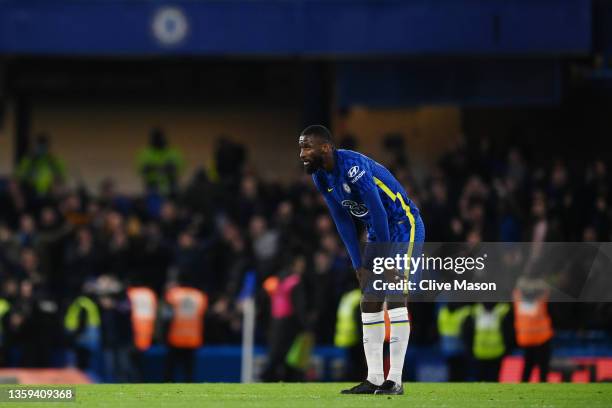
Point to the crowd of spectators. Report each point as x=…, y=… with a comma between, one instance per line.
x=57, y=242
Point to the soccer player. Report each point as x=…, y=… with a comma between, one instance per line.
x=354, y=185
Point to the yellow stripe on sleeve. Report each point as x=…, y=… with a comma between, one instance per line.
x=406, y=207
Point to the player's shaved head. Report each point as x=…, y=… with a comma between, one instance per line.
x=316, y=148
x=320, y=132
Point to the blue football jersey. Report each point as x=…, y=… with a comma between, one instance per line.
x=354, y=176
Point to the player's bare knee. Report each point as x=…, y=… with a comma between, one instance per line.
x=395, y=304
x=369, y=305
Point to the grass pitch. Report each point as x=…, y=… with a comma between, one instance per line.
x=320, y=395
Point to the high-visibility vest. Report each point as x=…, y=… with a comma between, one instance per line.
x=156, y=160
x=144, y=311
x=347, y=329
x=488, y=332
x=41, y=172
x=90, y=336
x=188, y=307
x=532, y=322
x=5, y=306
x=449, y=328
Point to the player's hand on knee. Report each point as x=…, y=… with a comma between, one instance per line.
x=393, y=275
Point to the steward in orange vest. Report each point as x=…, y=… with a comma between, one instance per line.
x=533, y=325
x=532, y=322
x=187, y=323
x=185, y=333
x=144, y=312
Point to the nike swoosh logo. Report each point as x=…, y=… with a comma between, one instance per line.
x=329, y=190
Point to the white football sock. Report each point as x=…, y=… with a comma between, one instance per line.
x=400, y=333
x=373, y=338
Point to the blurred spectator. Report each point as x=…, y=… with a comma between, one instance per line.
x=187, y=306
x=199, y=195
x=348, y=335
x=27, y=229
x=234, y=258
x=160, y=165
x=455, y=164
x=395, y=145
x=543, y=228
x=143, y=303
x=533, y=325
x=488, y=334
x=439, y=212
x=82, y=324
x=50, y=244
x=116, y=250
x=289, y=318
x=34, y=326
x=230, y=158
x=117, y=335
x=10, y=250
x=169, y=221
x=451, y=318
x=12, y=203
x=249, y=203
x=29, y=267
x=73, y=211
x=82, y=261
x=40, y=169
x=110, y=198
x=8, y=296
x=321, y=296
x=189, y=262
x=600, y=219
x=150, y=255
x=144, y=313
x=265, y=246
x=509, y=223
x=516, y=168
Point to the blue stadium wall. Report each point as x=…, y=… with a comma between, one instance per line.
x=296, y=27
x=386, y=52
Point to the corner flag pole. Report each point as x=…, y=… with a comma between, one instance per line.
x=247, y=296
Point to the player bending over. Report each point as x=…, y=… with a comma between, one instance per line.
x=354, y=184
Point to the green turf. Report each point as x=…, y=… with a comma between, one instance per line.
x=323, y=395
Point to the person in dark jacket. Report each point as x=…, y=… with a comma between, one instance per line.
x=117, y=336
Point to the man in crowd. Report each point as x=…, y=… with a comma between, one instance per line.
x=160, y=165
